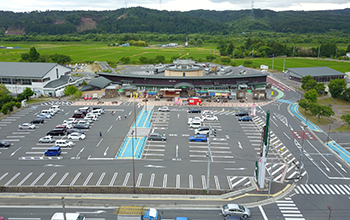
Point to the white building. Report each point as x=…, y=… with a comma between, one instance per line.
x=45, y=79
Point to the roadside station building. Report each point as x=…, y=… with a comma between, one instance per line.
x=320, y=74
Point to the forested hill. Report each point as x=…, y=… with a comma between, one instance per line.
x=136, y=20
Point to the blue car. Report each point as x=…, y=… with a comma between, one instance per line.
x=53, y=151
x=245, y=118
x=194, y=110
x=199, y=138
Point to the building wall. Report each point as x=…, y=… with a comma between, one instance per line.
x=180, y=73
x=98, y=92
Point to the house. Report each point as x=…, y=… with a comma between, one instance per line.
x=45, y=79
x=96, y=87
x=320, y=74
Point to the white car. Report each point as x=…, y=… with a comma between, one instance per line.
x=47, y=139
x=26, y=126
x=92, y=114
x=76, y=136
x=206, y=112
x=164, y=109
x=83, y=122
x=210, y=118
x=195, y=119
x=70, y=121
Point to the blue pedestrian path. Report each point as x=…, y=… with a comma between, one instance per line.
x=341, y=151
x=136, y=145
x=294, y=108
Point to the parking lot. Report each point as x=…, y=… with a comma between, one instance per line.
x=176, y=162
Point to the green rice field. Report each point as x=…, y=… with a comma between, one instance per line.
x=93, y=51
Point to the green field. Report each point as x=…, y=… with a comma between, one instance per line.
x=93, y=51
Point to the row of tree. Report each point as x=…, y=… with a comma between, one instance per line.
x=34, y=56
x=337, y=89
x=8, y=102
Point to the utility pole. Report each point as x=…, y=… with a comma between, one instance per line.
x=293, y=51
x=273, y=60
x=301, y=165
x=319, y=50
x=133, y=164
x=208, y=154
x=329, y=131
x=284, y=64
x=253, y=53
x=336, y=53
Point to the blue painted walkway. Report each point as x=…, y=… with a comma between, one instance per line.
x=295, y=110
x=126, y=150
x=342, y=152
x=143, y=121
x=285, y=101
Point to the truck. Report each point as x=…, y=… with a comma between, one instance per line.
x=137, y=213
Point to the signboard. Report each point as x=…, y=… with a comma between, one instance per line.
x=253, y=110
x=249, y=91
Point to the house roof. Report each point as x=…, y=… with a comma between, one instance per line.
x=25, y=70
x=100, y=82
x=63, y=80
x=315, y=71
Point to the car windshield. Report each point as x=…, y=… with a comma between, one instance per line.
x=2, y=142
x=225, y=207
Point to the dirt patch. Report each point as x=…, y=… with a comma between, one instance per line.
x=14, y=31
x=59, y=22
x=121, y=16
x=87, y=24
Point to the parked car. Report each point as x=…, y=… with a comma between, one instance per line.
x=72, y=130
x=81, y=126
x=53, y=151
x=242, y=113
x=210, y=118
x=207, y=112
x=203, y=130
x=198, y=138
x=64, y=126
x=26, y=126
x=245, y=118
x=195, y=124
x=64, y=143
x=43, y=116
x=98, y=111
x=195, y=119
x=76, y=136
x=47, y=139
x=91, y=118
x=164, y=109
x=194, y=110
x=4, y=144
x=56, y=132
x=38, y=121
x=70, y=121
x=156, y=137
x=83, y=122
x=78, y=115
x=235, y=210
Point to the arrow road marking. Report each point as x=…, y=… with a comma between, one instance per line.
x=240, y=145
x=15, y=151
x=325, y=166
x=341, y=167
x=105, y=153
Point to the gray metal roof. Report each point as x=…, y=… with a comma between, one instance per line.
x=100, y=82
x=25, y=70
x=315, y=71
x=61, y=81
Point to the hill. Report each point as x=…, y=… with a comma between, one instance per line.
x=138, y=19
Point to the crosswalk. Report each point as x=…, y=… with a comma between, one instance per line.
x=323, y=189
x=289, y=210
x=195, y=181
x=57, y=103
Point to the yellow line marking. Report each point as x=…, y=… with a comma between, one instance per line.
x=339, y=149
x=137, y=145
x=125, y=147
x=148, y=115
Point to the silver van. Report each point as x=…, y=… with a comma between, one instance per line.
x=48, y=111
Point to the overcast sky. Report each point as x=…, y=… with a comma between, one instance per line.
x=172, y=5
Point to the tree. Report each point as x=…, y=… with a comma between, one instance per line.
x=143, y=60
x=191, y=42
x=3, y=90
x=27, y=93
x=78, y=94
x=346, y=95
x=159, y=59
x=336, y=87
x=319, y=110
x=199, y=42
x=33, y=55
x=70, y=90
x=61, y=59
x=320, y=88
x=304, y=104
x=308, y=83
x=125, y=60
x=230, y=49
x=346, y=118
x=311, y=95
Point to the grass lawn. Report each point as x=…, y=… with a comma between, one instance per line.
x=343, y=128
x=330, y=101
x=314, y=119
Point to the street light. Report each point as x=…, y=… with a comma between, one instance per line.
x=301, y=165
x=329, y=131
x=208, y=154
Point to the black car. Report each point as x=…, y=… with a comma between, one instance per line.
x=38, y=121
x=4, y=144
x=56, y=132
x=78, y=115
x=72, y=130
x=194, y=110
x=242, y=113
x=81, y=126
